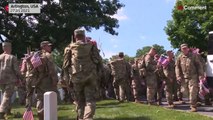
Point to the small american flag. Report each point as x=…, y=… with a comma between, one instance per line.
x=28, y=114
x=204, y=89
x=36, y=60
x=163, y=61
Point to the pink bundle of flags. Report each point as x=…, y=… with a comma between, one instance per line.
x=163, y=60
x=36, y=60
x=195, y=50
x=28, y=114
x=204, y=89
x=24, y=60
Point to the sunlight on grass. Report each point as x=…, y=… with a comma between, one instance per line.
x=112, y=110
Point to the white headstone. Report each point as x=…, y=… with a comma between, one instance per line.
x=50, y=106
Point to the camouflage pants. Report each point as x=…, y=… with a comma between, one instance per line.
x=40, y=103
x=7, y=90
x=30, y=87
x=151, y=82
x=121, y=89
x=136, y=86
x=159, y=91
x=189, y=87
x=85, y=95
x=169, y=91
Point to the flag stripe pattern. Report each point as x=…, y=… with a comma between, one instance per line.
x=36, y=60
x=28, y=114
x=204, y=89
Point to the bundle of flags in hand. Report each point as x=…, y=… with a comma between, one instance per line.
x=36, y=60
x=204, y=89
x=24, y=60
x=28, y=114
x=163, y=60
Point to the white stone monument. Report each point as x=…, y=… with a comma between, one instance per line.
x=50, y=106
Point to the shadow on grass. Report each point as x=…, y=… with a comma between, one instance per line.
x=133, y=118
x=66, y=118
x=112, y=102
x=64, y=108
x=110, y=105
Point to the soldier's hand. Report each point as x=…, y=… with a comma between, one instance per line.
x=202, y=78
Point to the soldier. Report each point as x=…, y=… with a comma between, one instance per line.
x=9, y=74
x=151, y=78
x=26, y=71
x=85, y=61
x=121, y=74
x=45, y=74
x=188, y=69
x=160, y=79
x=169, y=72
x=66, y=76
x=136, y=83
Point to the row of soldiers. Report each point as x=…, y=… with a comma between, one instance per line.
x=38, y=72
x=84, y=73
x=148, y=74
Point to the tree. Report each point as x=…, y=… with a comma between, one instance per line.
x=57, y=22
x=190, y=26
x=145, y=50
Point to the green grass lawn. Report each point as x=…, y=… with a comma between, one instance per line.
x=112, y=110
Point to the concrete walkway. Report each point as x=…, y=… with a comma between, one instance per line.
x=203, y=110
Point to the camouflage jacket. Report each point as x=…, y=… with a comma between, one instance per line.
x=46, y=74
x=169, y=70
x=120, y=69
x=85, y=58
x=188, y=66
x=150, y=64
x=9, y=69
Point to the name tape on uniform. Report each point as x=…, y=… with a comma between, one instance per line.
x=27, y=8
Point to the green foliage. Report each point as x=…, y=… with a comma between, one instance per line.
x=57, y=22
x=145, y=50
x=58, y=58
x=190, y=26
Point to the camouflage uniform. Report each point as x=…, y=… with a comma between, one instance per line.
x=136, y=83
x=46, y=78
x=160, y=84
x=120, y=74
x=85, y=62
x=27, y=70
x=151, y=78
x=188, y=69
x=66, y=76
x=9, y=74
x=170, y=80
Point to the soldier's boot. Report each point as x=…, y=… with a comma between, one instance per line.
x=181, y=101
x=193, y=109
x=2, y=116
x=199, y=104
x=171, y=106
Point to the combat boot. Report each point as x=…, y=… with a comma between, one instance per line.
x=193, y=109
x=170, y=106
